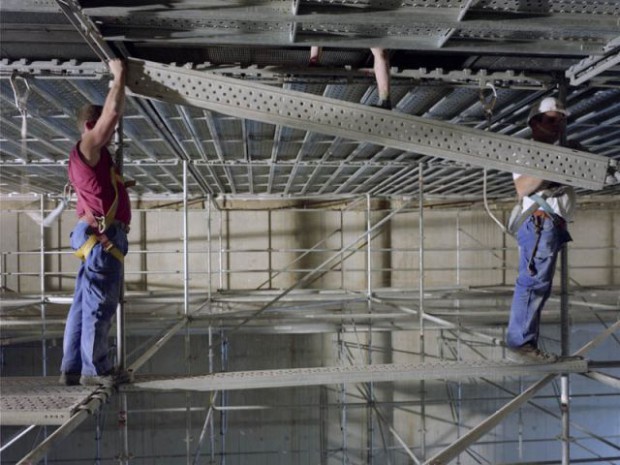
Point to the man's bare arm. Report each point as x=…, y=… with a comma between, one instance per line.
x=112, y=111
x=527, y=185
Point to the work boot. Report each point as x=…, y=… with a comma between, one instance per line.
x=122, y=377
x=385, y=104
x=69, y=379
x=529, y=353
x=98, y=380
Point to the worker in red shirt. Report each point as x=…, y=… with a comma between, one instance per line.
x=99, y=239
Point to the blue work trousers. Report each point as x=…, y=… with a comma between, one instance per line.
x=97, y=292
x=533, y=285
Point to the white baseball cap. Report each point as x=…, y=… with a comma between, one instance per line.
x=545, y=105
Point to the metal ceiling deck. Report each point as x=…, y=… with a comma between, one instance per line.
x=442, y=53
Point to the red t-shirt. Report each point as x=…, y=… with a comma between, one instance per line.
x=94, y=186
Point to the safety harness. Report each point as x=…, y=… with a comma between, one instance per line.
x=518, y=215
x=100, y=224
x=538, y=217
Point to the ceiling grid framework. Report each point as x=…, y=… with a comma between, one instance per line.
x=590, y=30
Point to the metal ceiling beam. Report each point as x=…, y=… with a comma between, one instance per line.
x=342, y=119
x=54, y=69
x=270, y=16
x=159, y=162
x=409, y=28
x=195, y=138
x=217, y=144
x=592, y=66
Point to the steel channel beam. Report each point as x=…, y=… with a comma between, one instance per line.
x=592, y=66
x=55, y=70
x=217, y=144
x=328, y=116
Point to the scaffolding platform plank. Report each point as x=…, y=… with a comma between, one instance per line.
x=355, y=374
x=39, y=400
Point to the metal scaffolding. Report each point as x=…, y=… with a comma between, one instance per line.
x=351, y=314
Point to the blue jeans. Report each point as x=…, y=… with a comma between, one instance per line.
x=533, y=285
x=97, y=292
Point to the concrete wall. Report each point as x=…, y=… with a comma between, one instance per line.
x=461, y=247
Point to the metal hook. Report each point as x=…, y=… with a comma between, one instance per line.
x=21, y=95
x=21, y=99
x=488, y=99
x=66, y=192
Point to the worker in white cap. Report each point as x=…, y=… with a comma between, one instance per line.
x=540, y=236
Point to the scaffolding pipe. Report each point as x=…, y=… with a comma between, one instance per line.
x=185, y=244
x=368, y=248
x=458, y=249
x=43, y=308
x=146, y=356
x=489, y=423
x=565, y=347
x=391, y=429
x=121, y=352
x=209, y=250
x=3, y=271
x=203, y=433
x=341, y=248
x=95, y=402
x=188, y=399
x=421, y=307
x=42, y=289
x=318, y=268
x=16, y=438
x=286, y=268
x=223, y=399
x=604, y=378
x=343, y=402
x=369, y=411
x=221, y=253
x=123, y=429
x=213, y=398
x=564, y=316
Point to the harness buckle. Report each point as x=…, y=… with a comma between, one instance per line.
x=101, y=226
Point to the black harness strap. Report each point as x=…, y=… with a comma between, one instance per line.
x=538, y=223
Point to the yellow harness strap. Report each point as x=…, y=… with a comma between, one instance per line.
x=87, y=247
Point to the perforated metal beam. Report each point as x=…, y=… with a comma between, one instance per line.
x=359, y=374
x=357, y=122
